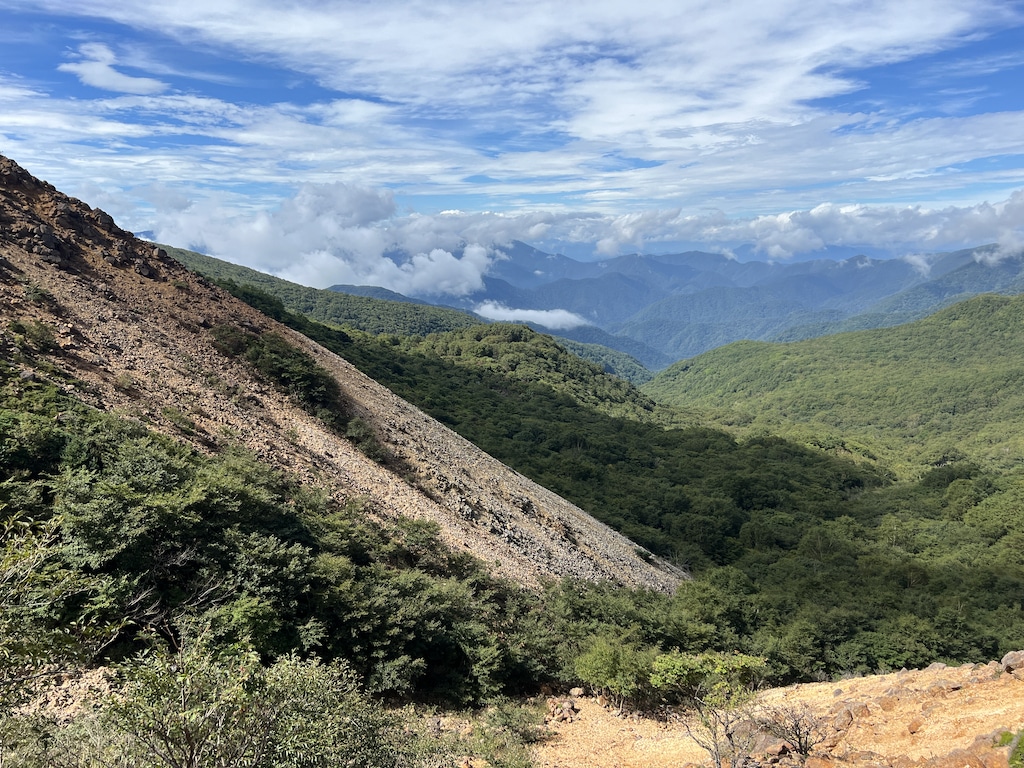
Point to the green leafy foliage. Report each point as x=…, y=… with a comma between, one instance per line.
x=1017, y=753
x=207, y=705
x=520, y=354
x=609, y=360
x=48, y=612
x=157, y=531
x=618, y=667
x=718, y=689
x=289, y=368
x=203, y=706
x=700, y=677
x=34, y=336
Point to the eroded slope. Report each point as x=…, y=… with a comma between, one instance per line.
x=129, y=328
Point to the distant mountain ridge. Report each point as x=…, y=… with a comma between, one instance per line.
x=661, y=308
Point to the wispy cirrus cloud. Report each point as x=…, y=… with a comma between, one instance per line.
x=95, y=67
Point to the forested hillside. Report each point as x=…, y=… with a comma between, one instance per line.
x=188, y=484
x=913, y=395
x=819, y=562
x=366, y=310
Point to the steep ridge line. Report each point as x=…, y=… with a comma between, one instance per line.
x=131, y=327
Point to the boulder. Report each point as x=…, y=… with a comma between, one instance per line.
x=1012, y=661
x=562, y=711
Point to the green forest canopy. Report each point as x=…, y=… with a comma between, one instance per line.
x=797, y=532
x=947, y=385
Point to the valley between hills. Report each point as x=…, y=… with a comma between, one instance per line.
x=401, y=511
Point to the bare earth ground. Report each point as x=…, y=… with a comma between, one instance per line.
x=898, y=719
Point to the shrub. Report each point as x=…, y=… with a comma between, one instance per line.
x=718, y=689
x=797, y=725
x=618, y=667
x=291, y=370
x=197, y=707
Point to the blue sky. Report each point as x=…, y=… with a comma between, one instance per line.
x=309, y=139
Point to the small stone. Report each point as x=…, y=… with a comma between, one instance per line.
x=844, y=719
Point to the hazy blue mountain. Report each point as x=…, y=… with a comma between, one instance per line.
x=523, y=265
x=678, y=305
x=604, y=301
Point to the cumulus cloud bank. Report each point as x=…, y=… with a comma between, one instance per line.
x=328, y=234
x=555, y=319
x=331, y=234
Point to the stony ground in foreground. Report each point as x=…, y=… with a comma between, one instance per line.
x=942, y=716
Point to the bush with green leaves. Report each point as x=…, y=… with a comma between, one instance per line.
x=717, y=689
x=159, y=530
x=692, y=678
x=289, y=368
x=50, y=615
x=619, y=667
x=202, y=707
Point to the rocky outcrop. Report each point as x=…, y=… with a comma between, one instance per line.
x=129, y=327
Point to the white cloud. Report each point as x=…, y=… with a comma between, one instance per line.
x=619, y=126
x=919, y=262
x=96, y=68
x=330, y=234
x=555, y=319
x=337, y=233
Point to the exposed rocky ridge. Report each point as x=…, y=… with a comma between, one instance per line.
x=129, y=334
